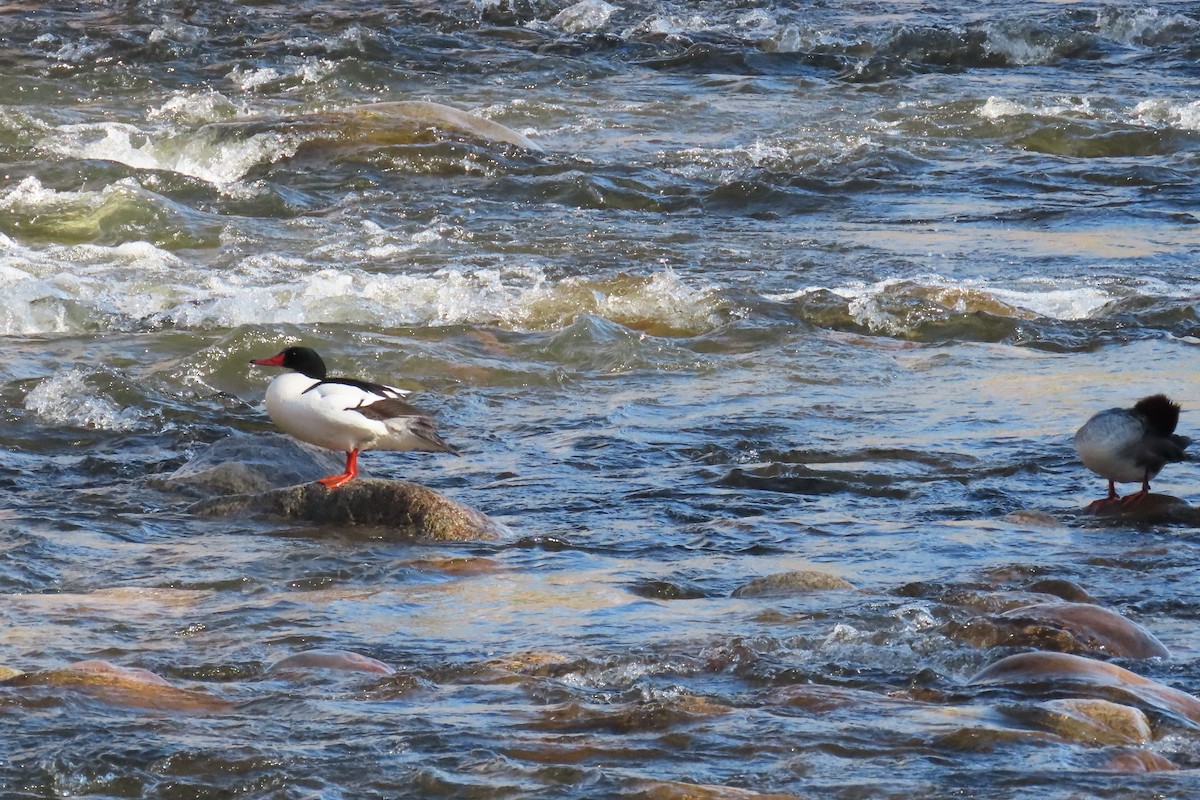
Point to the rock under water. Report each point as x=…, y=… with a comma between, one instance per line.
x=122, y=686
x=240, y=464
x=1090, y=627
x=784, y=584
x=336, y=660
x=1086, y=676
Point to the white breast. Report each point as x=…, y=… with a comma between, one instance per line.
x=322, y=415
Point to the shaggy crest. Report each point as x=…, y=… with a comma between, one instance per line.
x=1160, y=412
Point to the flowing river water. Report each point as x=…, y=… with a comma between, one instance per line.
x=739, y=290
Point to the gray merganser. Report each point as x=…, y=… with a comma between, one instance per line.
x=1131, y=444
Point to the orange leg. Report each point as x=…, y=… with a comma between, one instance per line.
x=1104, y=502
x=334, y=481
x=1137, y=497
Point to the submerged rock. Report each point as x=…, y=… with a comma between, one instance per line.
x=1093, y=721
x=340, y=660
x=1062, y=588
x=387, y=120
x=1090, y=628
x=785, y=584
x=1084, y=675
x=240, y=464
x=409, y=510
x=1032, y=518
x=375, y=124
x=124, y=686
x=1136, y=760
x=655, y=789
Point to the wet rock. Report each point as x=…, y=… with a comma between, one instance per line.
x=339, y=660
x=819, y=699
x=1093, y=721
x=665, y=590
x=409, y=511
x=123, y=686
x=533, y=662
x=984, y=599
x=460, y=566
x=1032, y=518
x=1137, y=761
x=242, y=464
x=658, y=715
x=786, y=584
x=1062, y=671
x=395, y=122
x=9, y=672
x=1153, y=508
x=1084, y=628
x=369, y=126
x=652, y=789
x=1064, y=589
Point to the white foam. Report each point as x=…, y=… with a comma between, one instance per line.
x=197, y=108
x=866, y=302
x=265, y=290
x=1017, y=46
x=1141, y=24
x=66, y=399
x=60, y=289
x=309, y=71
x=199, y=155
x=584, y=16
x=1000, y=107
x=1185, y=116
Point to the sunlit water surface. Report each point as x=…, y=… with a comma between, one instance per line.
x=789, y=288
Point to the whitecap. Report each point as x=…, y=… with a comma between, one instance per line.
x=199, y=155
x=1184, y=116
x=196, y=108
x=998, y=107
x=584, y=16
x=868, y=303
x=65, y=398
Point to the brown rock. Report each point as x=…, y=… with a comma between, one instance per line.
x=409, y=510
x=1090, y=628
x=1137, y=761
x=1152, y=508
x=1092, y=721
x=1087, y=676
x=786, y=584
x=1064, y=589
x=339, y=660
x=1032, y=518
x=124, y=686
x=649, y=789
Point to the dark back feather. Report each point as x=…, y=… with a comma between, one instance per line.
x=1161, y=414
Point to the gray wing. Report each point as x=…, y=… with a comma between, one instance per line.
x=418, y=422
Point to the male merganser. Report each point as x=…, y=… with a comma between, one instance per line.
x=1131, y=444
x=343, y=413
